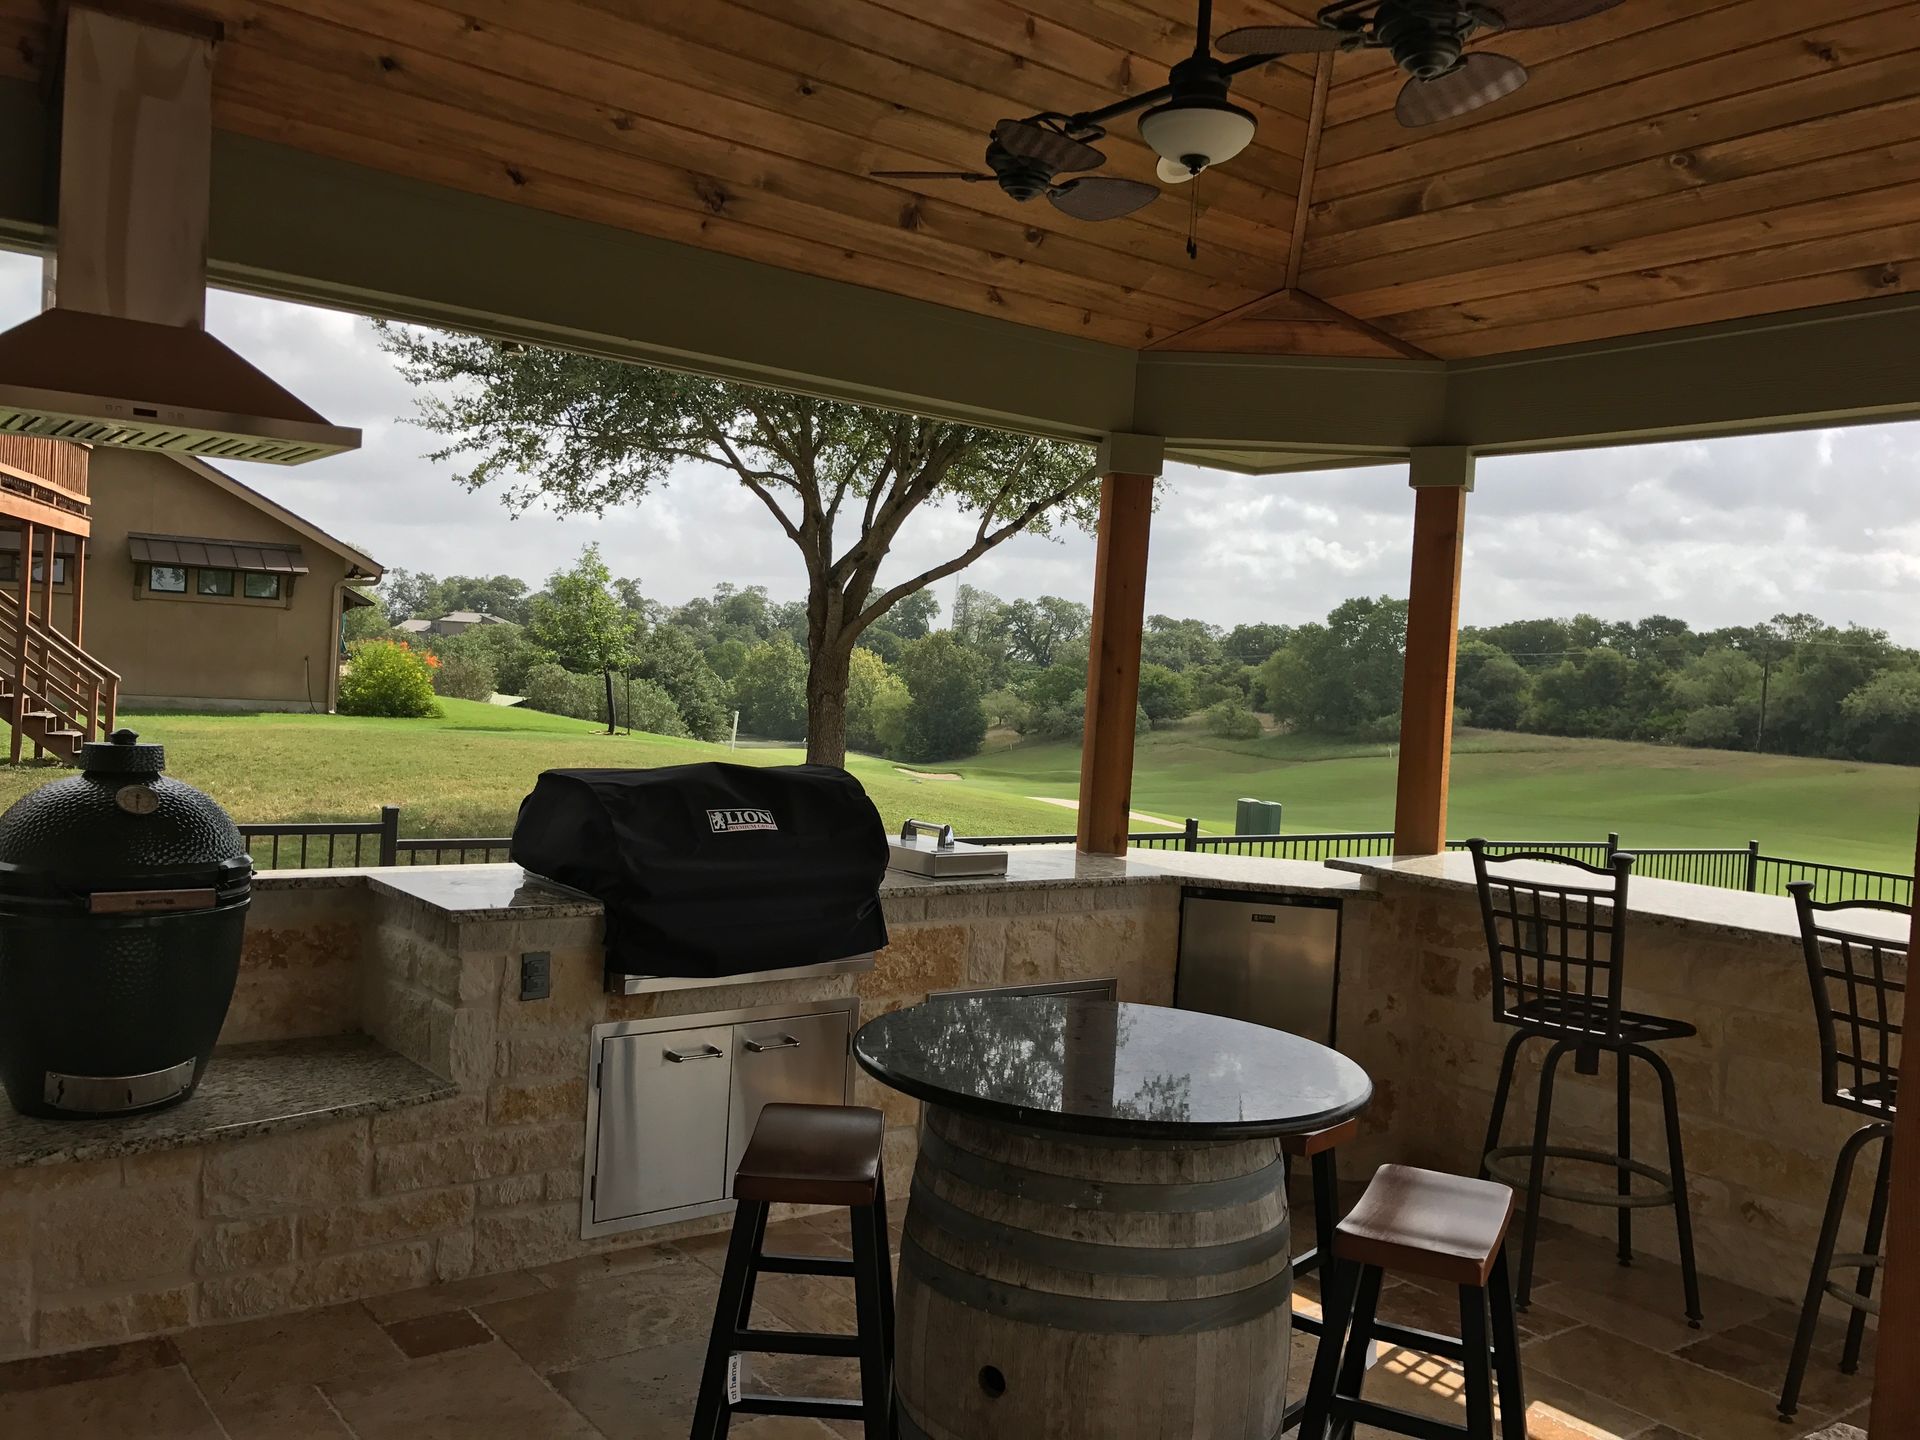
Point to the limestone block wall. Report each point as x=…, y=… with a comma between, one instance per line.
x=487, y=1180
x=1760, y=1146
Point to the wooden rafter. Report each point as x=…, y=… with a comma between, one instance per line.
x=1309, y=160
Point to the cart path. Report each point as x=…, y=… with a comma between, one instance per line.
x=1131, y=814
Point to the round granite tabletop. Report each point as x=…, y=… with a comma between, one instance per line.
x=1097, y=1067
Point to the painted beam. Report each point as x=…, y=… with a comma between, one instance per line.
x=1441, y=479
x=1837, y=365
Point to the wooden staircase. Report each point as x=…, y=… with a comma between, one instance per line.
x=53, y=694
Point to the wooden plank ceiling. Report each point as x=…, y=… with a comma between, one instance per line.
x=1670, y=162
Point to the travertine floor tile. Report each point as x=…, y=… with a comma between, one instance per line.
x=436, y=1334
x=293, y=1412
x=233, y=1362
x=566, y=1328
x=648, y=1393
x=594, y=1268
x=482, y=1393
x=458, y=1295
x=1690, y=1398
x=43, y=1371
x=155, y=1404
x=1759, y=1357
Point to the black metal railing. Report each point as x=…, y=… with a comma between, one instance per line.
x=334, y=843
x=325, y=844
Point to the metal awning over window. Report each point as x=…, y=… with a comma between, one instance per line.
x=205, y=554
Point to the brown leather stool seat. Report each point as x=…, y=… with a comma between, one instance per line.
x=1420, y=1222
x=813, y=1155
x=1448, y=1228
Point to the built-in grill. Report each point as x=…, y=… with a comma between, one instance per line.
x=714, y=869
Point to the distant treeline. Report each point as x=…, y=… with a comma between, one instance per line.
x=1792, y=685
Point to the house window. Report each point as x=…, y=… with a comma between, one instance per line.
x=167, y=579
x=262, y=587
x=10, y=568
x=216, y=582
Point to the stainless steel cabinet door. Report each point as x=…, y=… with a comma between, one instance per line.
x=663, y=1121
x=1260, y=960
x=798, y=1060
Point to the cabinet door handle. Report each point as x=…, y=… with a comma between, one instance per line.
x=704, y=1052
x=779, y=1042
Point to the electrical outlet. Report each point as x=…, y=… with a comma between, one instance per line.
x=536, y=975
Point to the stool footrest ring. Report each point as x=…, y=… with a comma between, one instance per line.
x=1513, y=1165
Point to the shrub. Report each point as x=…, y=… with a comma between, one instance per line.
x=388, y=677
x=465, y=676
x=551, y=688
x=1232, y=720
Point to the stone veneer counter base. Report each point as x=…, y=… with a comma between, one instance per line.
x=249, y=1090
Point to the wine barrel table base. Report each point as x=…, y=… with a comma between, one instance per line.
x=1064, y=1287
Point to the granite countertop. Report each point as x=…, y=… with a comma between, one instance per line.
x=506, y=892
x=1735, y=913
x=248, y=1090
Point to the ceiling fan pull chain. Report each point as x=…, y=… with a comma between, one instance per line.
x=1193, y=217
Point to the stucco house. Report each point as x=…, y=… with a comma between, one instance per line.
x=204, y=594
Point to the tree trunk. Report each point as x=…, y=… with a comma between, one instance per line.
x=608, y=674
x=827, y=670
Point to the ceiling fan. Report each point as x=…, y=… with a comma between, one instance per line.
x=1427, y=39
x=1191, y=124
x=1025, y=158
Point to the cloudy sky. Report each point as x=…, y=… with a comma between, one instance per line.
x=1720, y=533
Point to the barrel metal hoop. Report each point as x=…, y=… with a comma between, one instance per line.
x=1064, y=1190
x=1083, y=1316
x=1089, y=1257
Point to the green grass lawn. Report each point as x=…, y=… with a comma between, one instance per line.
x=464, y=774
x=1515, y=787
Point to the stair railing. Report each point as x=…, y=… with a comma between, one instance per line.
x=56, y=675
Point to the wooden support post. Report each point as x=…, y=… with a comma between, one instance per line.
x=18, y=705
x=1129, y=463
x=80, y=592
x=1896, y=1378
x=1441, y=478
x=46, y=583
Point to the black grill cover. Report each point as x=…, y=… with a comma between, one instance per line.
x=714, y=869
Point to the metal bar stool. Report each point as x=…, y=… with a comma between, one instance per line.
x=1444, y=1227
x=1558, y=949
x=1861, y=1010
x=806, y=1155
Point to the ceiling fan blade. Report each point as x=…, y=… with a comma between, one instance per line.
x=1532, y=14
x=927, y=175
x=1477, y=80
x=1283, y=40
x=1101, y=197
x=1046, y=147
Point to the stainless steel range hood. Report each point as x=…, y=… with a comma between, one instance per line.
x=123, y=357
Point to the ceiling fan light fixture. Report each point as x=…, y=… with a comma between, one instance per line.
x=1179, y=172
x=1197, y=125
